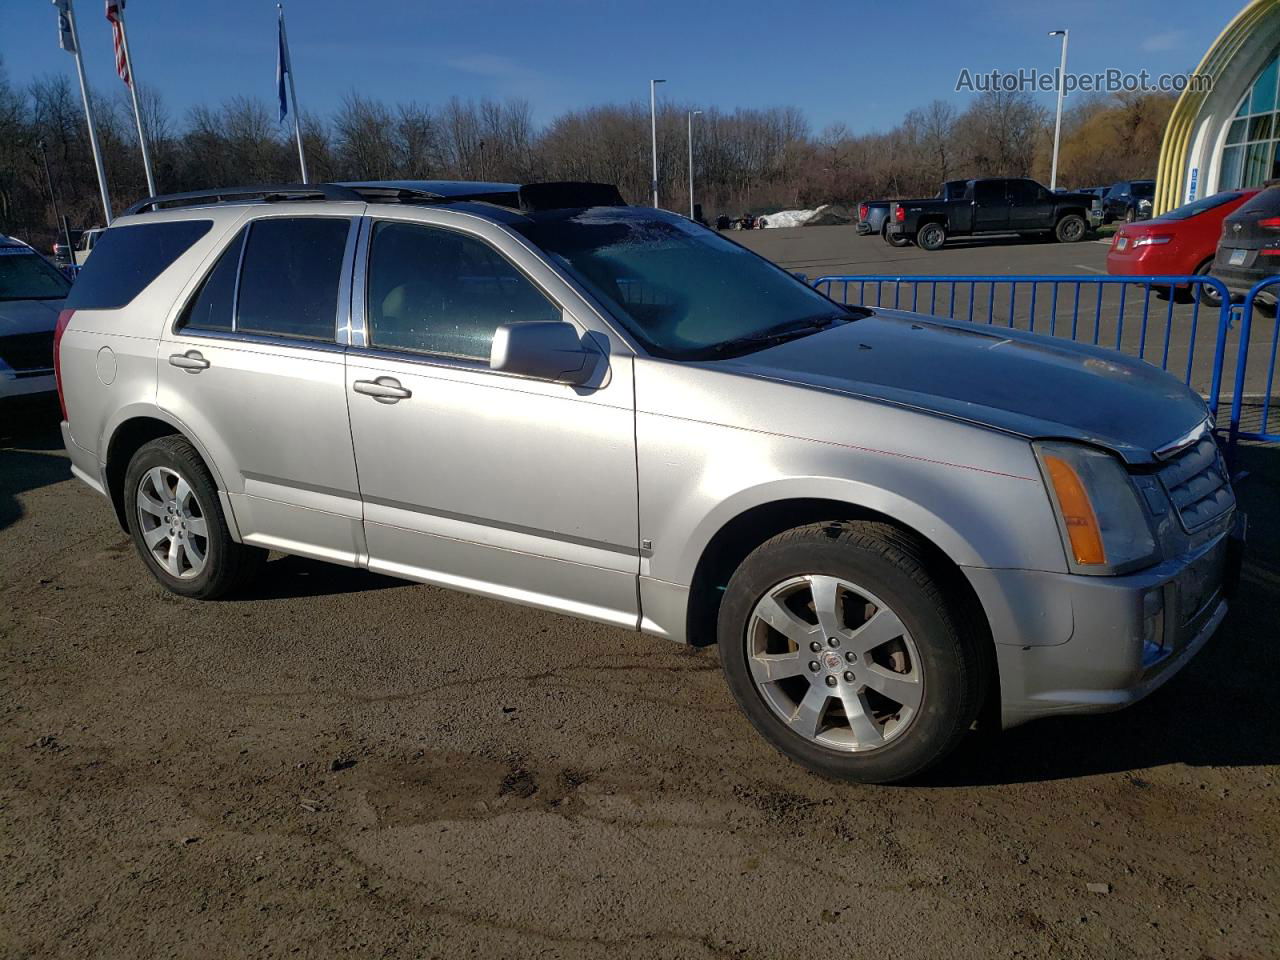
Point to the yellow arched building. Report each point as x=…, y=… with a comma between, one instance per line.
x=1229, y=136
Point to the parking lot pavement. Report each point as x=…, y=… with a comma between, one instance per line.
x=338, y=762
x=817, y=251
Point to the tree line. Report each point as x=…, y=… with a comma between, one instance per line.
x=745, y=160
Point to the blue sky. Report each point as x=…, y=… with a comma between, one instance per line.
x=860, y=62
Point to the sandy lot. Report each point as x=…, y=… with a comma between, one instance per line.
x=342, y=763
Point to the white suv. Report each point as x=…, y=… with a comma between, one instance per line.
x=889, y=522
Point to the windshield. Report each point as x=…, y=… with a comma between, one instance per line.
x=25, y=275
x=683, y=291
x=1147, y=189
x=1189, y=210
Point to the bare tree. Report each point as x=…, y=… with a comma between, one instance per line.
x=755, y=160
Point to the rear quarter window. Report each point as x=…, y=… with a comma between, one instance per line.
x=126, y=260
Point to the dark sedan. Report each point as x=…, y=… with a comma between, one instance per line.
x=1249, y=249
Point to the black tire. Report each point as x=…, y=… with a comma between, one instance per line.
x=226, y=564
x=931, y=236
x=893, y=239
x=1209, y=297
x=1070, y=229
x=1130, y=216
x=891, y=565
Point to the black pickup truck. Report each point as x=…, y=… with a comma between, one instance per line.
x=994, y=205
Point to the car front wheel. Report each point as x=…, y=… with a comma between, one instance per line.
x=1070, y=229
x=846, y=655
x=176, y=521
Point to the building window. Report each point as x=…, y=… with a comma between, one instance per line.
x=1252, y=152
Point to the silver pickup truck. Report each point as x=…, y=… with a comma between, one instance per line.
x=893, y=526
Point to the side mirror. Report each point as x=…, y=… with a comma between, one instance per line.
x=546, y=349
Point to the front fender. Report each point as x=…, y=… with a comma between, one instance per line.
x=957, y=544
x=975, y=494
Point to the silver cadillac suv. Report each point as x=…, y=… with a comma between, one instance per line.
x=893, y=525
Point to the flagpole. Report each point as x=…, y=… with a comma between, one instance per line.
x=88, y=115
x=293, y=95
x=137, y=114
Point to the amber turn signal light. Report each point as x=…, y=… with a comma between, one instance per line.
x=1077, y=512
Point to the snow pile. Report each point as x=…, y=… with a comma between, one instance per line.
x=787, y=218
x=828, y=213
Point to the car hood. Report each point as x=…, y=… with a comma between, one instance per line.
x=1021, y=383
x=28, y=316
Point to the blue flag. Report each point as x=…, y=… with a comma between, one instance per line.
x=66, y=37
x=282, y=67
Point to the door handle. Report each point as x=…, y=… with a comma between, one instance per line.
x=384, y=389
x=192, y=361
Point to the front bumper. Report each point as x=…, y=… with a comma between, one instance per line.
x=1069, y=644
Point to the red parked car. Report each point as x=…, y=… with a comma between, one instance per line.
x=1177, y=243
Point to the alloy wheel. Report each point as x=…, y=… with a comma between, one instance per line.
x=172, y=522
x=834, y=663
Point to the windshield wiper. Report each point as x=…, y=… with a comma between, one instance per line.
x=778, y=333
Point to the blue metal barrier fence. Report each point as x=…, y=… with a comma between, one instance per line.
x=1254, y=402
x=1186, y=331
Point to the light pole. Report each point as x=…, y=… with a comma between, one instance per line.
x=692, y=114
x=53, y=197
x=1057, y=124
x=653, y=129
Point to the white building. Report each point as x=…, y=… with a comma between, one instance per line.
x=1228, y=136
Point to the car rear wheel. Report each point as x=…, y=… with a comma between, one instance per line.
x=177, y=524
x=845, y=654
x=893, y=239
x=931, y=236
x=1070, y=229
x=1209, y=295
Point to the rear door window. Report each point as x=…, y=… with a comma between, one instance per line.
x=989, y=192
x=127, y=259
x=290, y=277
x=213, y=306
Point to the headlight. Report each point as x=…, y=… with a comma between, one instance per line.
x=1104, y=527
x=1144, y=204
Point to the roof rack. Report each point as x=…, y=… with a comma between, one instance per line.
x=264, y=192
x=529, y=198
x=392, y=194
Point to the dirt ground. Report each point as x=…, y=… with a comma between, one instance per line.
x=342, y=763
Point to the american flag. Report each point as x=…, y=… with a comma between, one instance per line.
x=115, y=9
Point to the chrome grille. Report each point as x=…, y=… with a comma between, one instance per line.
x=1196, y=482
